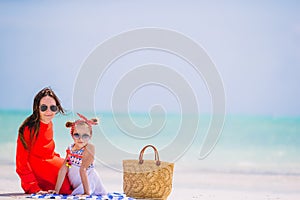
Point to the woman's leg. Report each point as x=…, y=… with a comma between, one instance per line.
x=46, y=173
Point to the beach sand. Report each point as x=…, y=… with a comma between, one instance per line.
x=189, y=184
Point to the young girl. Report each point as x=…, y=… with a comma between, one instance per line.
x=78, y=163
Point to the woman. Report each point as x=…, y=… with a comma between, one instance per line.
x=36, y=162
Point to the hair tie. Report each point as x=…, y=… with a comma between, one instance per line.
x=89, y=122
x=85, y=120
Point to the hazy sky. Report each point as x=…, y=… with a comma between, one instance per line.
x=254, y=45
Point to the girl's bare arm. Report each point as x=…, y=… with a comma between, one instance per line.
x=87, y=160
x=61, y=176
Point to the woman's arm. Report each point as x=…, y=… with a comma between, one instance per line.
x=87, y=160
x=23, y=169
x=61, y=176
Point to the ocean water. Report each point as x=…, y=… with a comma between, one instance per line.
x=247, y=144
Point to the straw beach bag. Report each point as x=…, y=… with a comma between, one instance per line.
x=147, y=179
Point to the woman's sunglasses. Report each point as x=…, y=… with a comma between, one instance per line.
x=77, y=136
x=44, y=107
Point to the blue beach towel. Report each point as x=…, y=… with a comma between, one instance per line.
x=109, y=196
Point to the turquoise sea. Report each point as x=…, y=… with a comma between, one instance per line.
x=248, y=144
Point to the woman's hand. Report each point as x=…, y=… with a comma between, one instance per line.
x=42, y=192
x=52, y=192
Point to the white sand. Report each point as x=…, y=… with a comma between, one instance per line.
x=189, y=185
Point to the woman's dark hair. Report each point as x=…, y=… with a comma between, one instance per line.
x=33, y=121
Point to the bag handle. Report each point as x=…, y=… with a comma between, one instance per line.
x=155, y=152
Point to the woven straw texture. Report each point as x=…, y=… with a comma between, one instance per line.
x=147, y=180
